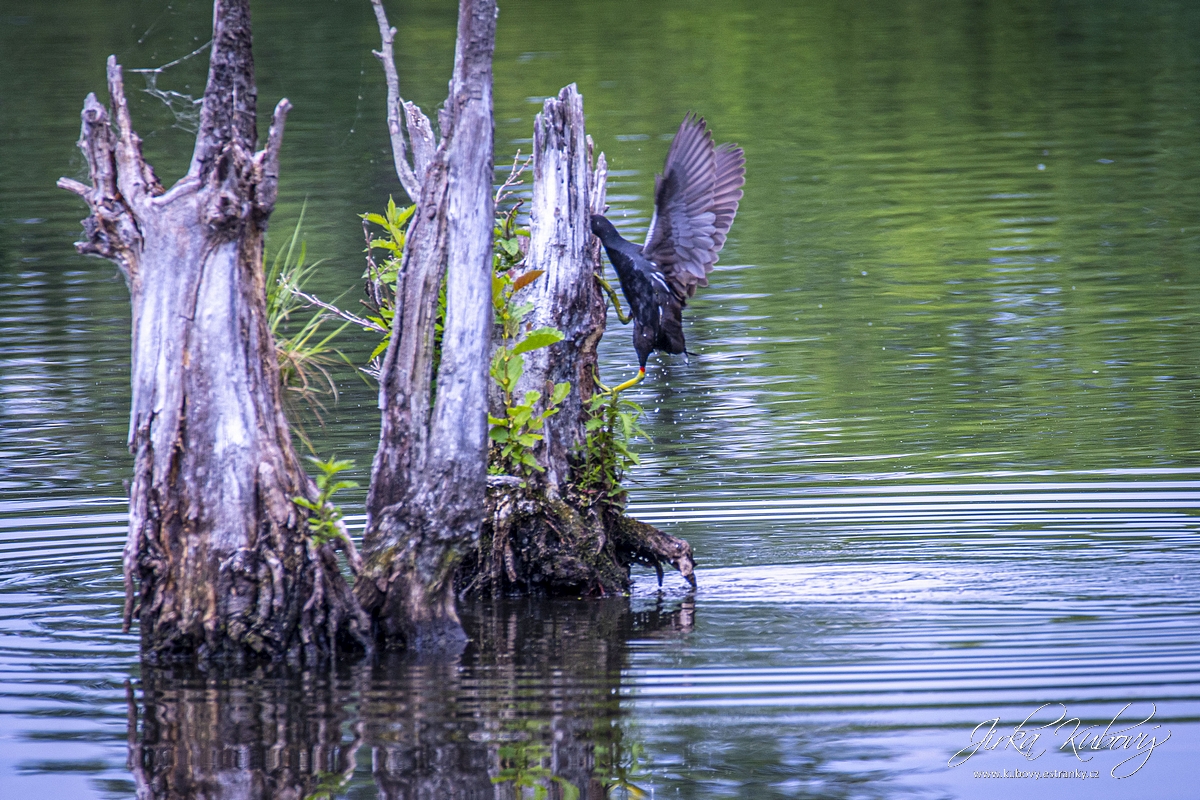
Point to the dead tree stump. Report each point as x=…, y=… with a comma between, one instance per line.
x=219, y=553
x=544, y=534
x=425, y=504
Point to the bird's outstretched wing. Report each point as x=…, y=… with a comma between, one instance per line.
x=695, y=200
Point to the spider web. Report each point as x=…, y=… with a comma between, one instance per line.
x=183, y=107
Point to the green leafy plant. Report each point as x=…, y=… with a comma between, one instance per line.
x=516, y=433
x=329, y=785
x=611, y=426
x=382, y=277
x=506, y=241
x=618, y=766
x=325, y=517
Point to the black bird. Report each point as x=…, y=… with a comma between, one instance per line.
x=695, y=200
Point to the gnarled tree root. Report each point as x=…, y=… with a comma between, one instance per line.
x=533, y=544
x=641, y=543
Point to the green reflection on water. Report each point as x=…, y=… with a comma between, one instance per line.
x=972, y=226
x=968, y=241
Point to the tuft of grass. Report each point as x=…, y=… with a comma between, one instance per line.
x=303, y=350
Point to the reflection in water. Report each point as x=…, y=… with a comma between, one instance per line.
x=420, y=727
x=532, y=709
x=266, y=733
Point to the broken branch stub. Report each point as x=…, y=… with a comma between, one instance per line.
x=403, y=116
x=217, y=558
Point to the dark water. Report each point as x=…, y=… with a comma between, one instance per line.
x=937, y=455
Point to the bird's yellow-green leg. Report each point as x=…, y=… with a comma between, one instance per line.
x=603, y=389
x=636, y=379
x=613, y=296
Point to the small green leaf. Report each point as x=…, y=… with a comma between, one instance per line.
x=405, y=214
x=561, y=390
x=499, y=368
x=380, y=348
x=519, y=312
x=542, y=337
x=569, y=790
x=514, y=368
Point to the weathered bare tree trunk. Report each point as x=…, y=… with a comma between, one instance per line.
x=546, y=535
x=566, y=192
x=425, y=504
x=219, y=549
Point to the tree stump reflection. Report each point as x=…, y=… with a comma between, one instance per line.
x=266, y=733
x=532, y=708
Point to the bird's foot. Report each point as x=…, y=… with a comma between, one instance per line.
x=612, y=294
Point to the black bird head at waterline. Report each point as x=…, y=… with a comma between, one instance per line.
x=695, y=200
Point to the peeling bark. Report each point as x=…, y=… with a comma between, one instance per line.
x=425, y=504
x=566, y=189
x=546, y=536
x=218, y=550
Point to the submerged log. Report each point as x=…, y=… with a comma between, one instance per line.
x=220, y=555
x=425, y=504
x=549, y=533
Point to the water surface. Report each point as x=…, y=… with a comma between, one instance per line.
x=936, y=453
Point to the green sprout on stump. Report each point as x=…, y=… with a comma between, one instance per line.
x=381, y=278
x=515, y=434
x=324, y=522
x=611, y=426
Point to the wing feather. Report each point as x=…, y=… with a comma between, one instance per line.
x=695, y=200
